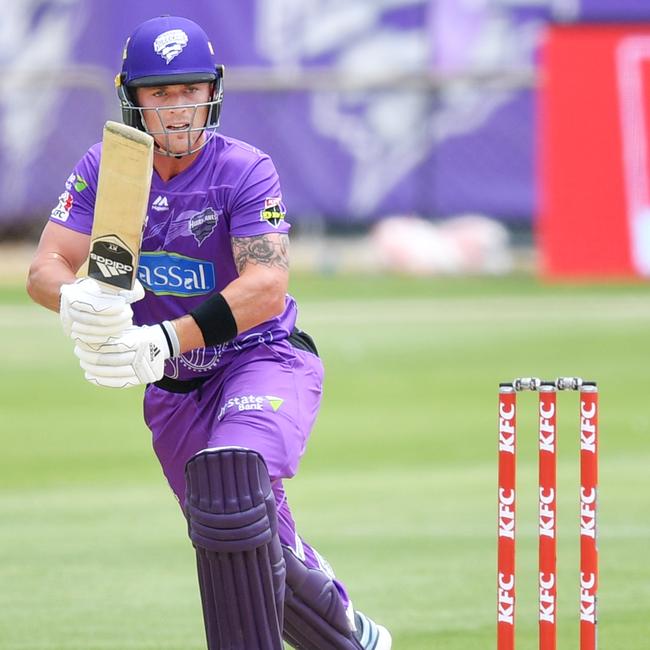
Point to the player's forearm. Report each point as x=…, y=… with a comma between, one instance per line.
x=189, y=335
x=256, y=297
x=46, y=275
x=252, y=299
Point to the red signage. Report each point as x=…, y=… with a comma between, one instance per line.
x=594, y=143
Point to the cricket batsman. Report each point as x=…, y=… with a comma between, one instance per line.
x=232, y=387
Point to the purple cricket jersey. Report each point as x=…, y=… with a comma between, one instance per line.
x=231, y=189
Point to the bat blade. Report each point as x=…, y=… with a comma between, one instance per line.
x=121, y=205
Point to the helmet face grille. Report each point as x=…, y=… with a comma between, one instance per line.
x=133, y=115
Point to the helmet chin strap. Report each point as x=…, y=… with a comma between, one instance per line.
x=192, y=148
x=164, y=152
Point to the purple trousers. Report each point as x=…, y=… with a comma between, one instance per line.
x=266, y=399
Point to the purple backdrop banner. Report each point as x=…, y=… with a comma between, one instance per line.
x=615, y=10
x=346, y=156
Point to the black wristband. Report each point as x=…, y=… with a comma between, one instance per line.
x=215, y=320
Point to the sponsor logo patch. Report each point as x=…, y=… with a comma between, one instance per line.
x=170, y=274
x=80, y=183
x=62, y=210
x=202, y=225
x=170, y=44
x=251, y=403
x=77, y=181
x=273, y=212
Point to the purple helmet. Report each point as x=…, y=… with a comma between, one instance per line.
x=164, y=51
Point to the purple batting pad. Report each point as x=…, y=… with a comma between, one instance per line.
x=314, y=614
x=233, y=526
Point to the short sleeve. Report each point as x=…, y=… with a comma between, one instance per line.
x=256, y=206
x=76, y=204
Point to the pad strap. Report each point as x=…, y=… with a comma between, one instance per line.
x=314, y=615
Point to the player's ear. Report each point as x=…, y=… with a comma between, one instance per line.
x=128, y=103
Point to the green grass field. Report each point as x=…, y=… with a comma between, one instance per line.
x=397, y=489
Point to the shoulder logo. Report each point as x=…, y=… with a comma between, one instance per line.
x=202, y=224
x=273, y=212
x=80, y=183
x=77, y=181
x=170, y=44
x=62, y=210
x=160, y=203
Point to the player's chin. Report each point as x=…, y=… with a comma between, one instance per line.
x=179, y=144
x=170, y=148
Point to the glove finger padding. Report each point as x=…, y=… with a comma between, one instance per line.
x=98, y=333
x=110, y=345
x=86, y=295
x=99, y=359
x=124, y=315
x=112, y=382
x=107, y=371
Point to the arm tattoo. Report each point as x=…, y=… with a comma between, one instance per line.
x=267, y=250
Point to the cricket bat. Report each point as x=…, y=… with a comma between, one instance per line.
x=121, y=206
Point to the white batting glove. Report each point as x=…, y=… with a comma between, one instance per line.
x=90, y=314
x=136, y=356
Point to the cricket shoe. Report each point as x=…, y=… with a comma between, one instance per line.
x=370, y=635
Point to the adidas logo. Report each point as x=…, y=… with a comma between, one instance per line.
x=110, y=268
x=160, y=204
x=154, y=351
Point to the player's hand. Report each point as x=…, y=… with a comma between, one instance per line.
x=90, y=314
x=136, y=356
